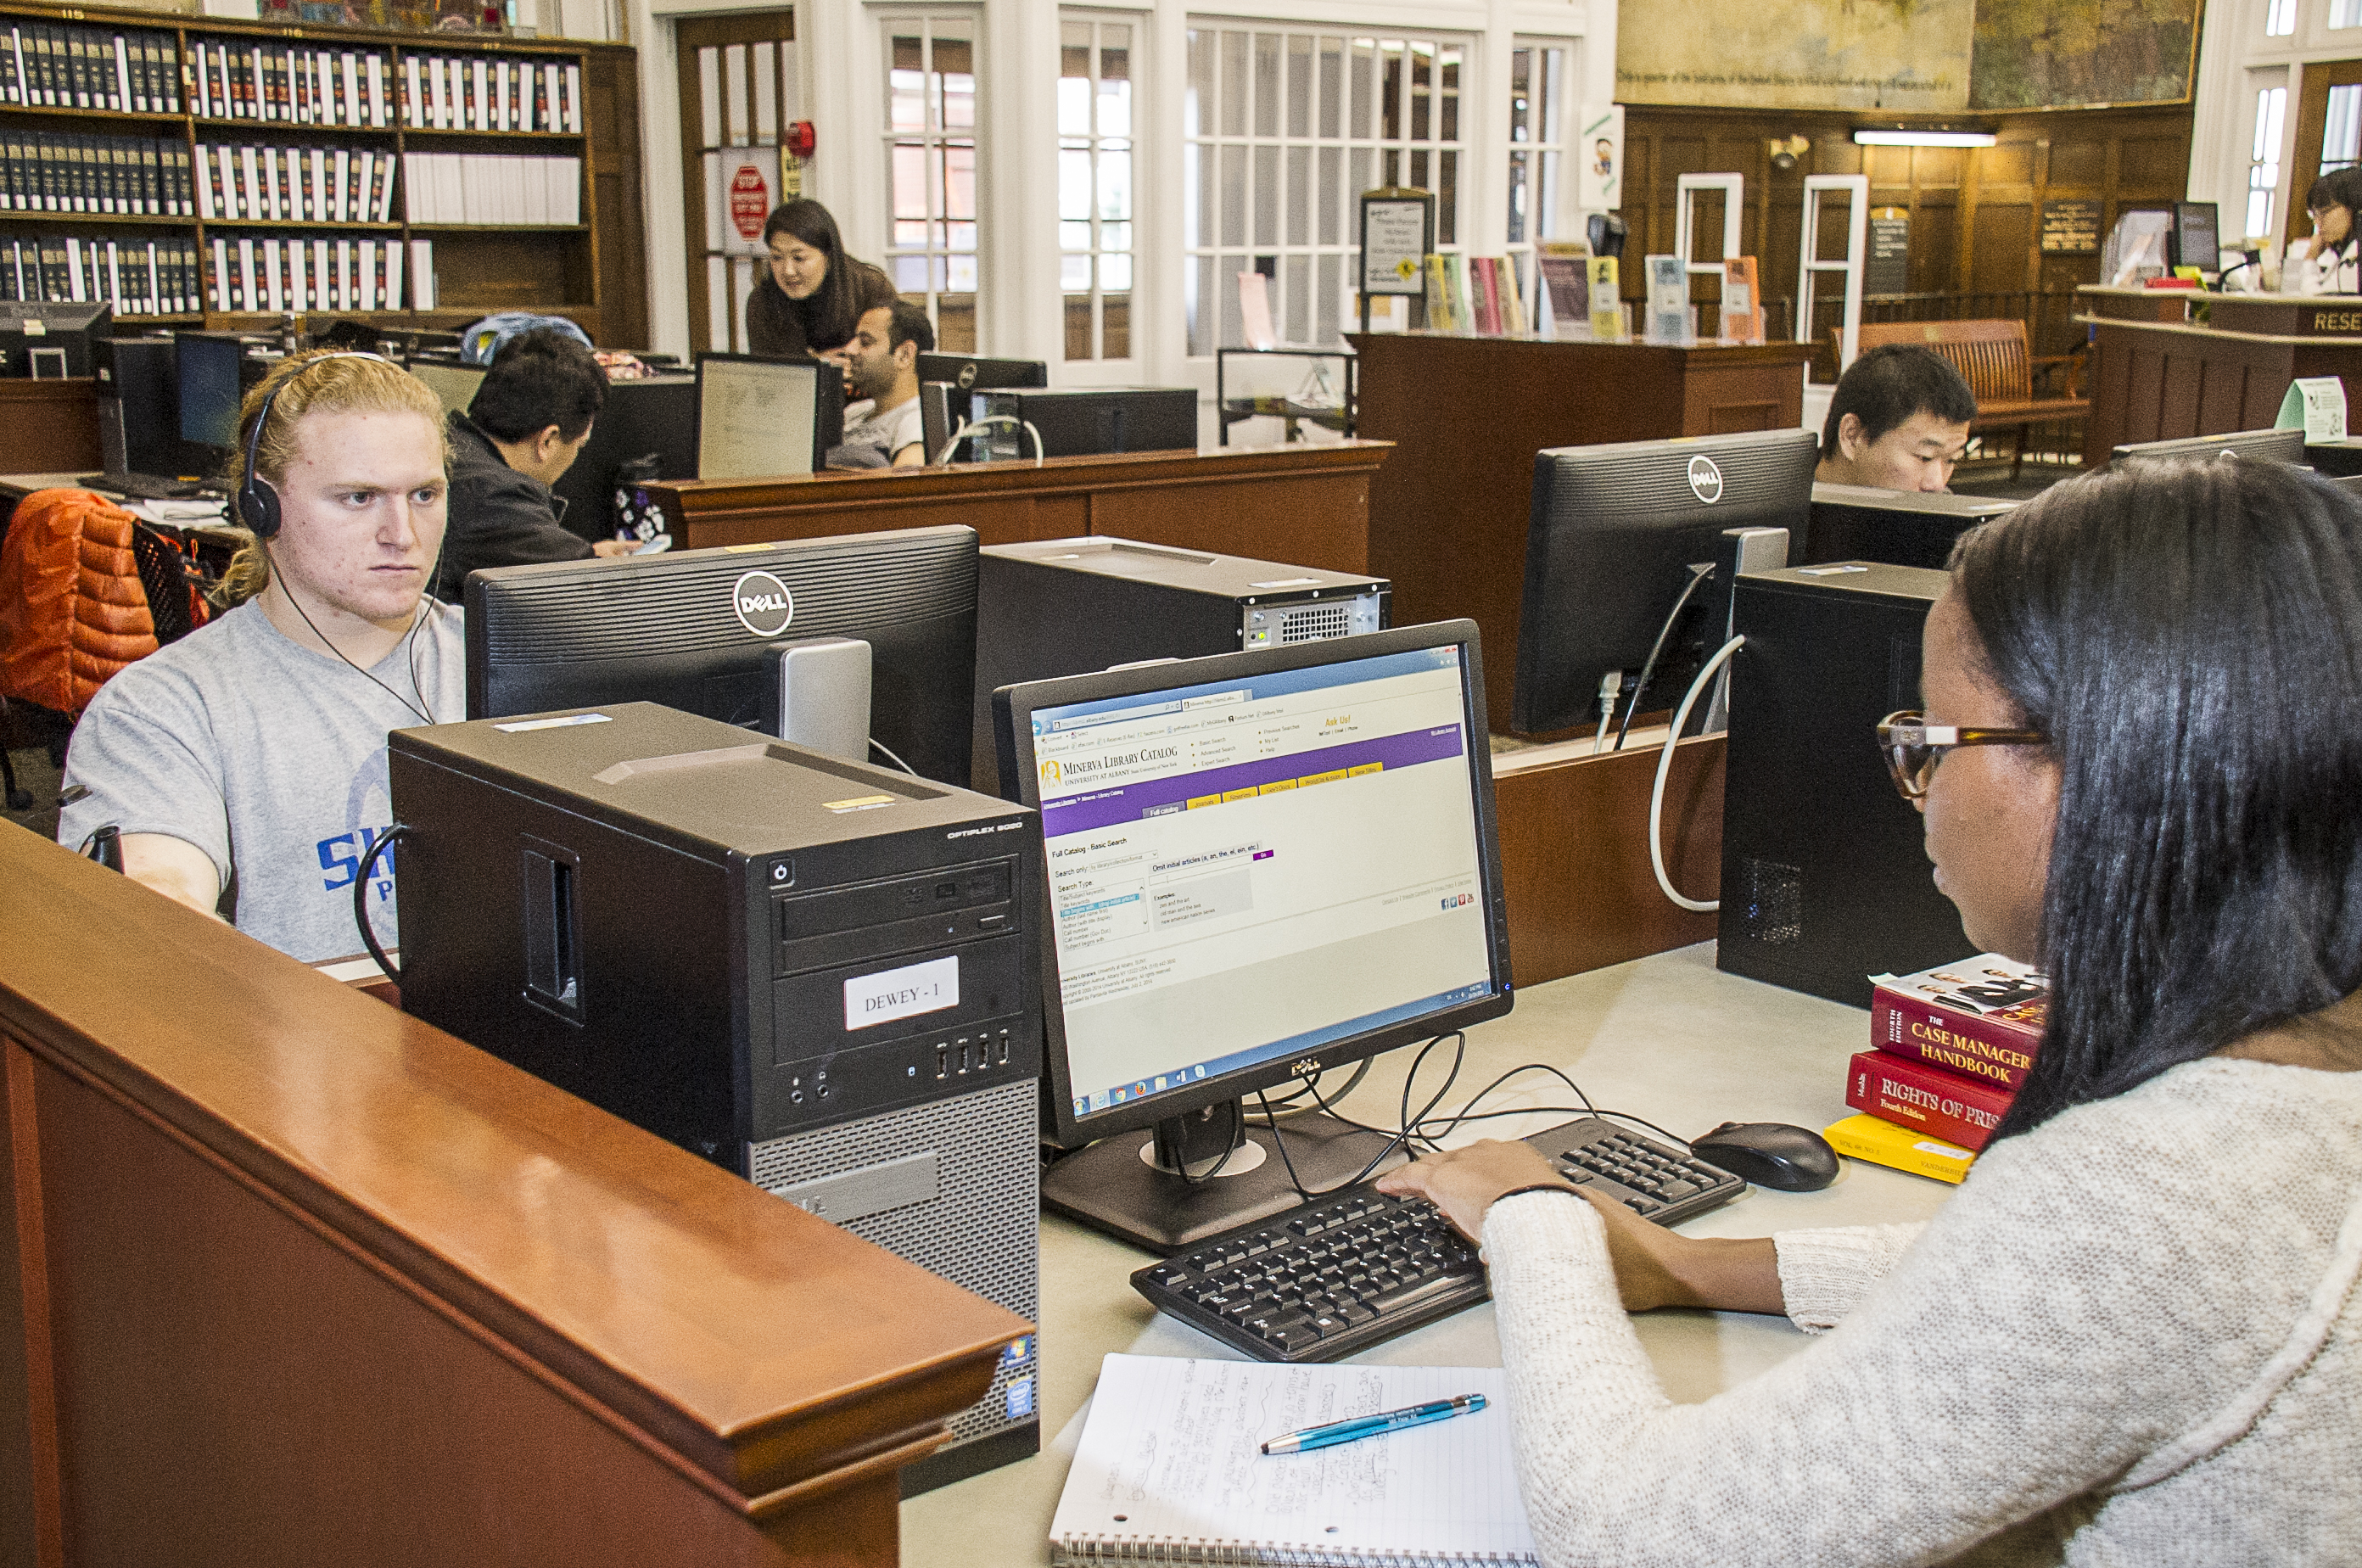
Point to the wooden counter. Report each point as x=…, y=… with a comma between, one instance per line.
x=2162, y=380
x=1303, y=503
x=48, y=424
x=292, y=1279
x=1448, y=513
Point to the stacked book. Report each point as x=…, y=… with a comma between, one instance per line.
x=481, y=93
x=290, y=83
x=66, y=171
x=134, y=277
x=295, y=184
x=318, y=272
x=1952, y=1043
x=56, y=65
x=491, y=188
x=1481, y=294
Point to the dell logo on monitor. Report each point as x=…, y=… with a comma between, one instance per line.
x=763, y=602
x=1304, y=1068
x=1705, y=479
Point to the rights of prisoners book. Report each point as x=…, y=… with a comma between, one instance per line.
x=1170, y=1469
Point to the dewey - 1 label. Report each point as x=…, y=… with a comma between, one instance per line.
x=906, y=992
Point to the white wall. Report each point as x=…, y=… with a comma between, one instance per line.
x=839, y=49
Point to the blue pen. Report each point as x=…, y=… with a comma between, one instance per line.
x=1374, y=1425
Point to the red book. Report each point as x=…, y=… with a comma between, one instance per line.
x=1982, y=1017
x=1911, y=1094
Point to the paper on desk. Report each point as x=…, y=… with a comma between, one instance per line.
x=195, y=511
x=1169, y=1454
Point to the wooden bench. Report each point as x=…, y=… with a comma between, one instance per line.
x=1993, y=355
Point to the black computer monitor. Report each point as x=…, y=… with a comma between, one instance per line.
x=1080, y=422
x=51, y=341
x=1613, y=534
x=213, y=380
x=2273, y=445
x=647, y=431
x=758, y=417
x=965, y=371
x=702, y=631
x=1900, y=528
x=1262, y=867
x=2195, y=238
x=454, y=382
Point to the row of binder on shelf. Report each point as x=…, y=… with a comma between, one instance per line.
x=295, y=184
x=136, y=276
x=489, y=188
x=261, y=79
x=60, y=65
x=473, y=92
x=319, y=272
x=127, y=176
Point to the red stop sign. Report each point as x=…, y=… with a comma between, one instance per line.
x=750, y=200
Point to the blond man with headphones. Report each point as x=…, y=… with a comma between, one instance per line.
x=244, y=766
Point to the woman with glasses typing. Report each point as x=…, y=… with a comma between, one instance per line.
x=2135, y=1334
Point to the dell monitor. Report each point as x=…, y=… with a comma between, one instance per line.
x=51, y=341
x=2271, y=445
x=1080, y=422
x=965, y=371
x=710, y=632
x=1900, y=528
x=1613, y=535
x=761, y=418
x=1262, y=867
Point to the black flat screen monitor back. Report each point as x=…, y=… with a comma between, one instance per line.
x=700, y=630
x=214, y=378
x=1613, y=533
x=967, y=371
x=2269, y=446
x=1082, y=422
x=742, y=449
x=1222, y=918
x=50, y=342
x=653, y=417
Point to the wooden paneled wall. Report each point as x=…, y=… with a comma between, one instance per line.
x=1975, y=213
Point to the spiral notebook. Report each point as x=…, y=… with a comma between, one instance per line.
x=1169, y=1469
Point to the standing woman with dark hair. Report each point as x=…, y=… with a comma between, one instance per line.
x=811, y=298
x=2133, y=1334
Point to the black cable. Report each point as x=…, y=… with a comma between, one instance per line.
x=1393, y=1139
x=361, y=899
x=1238, y=1128
x=1699, y=572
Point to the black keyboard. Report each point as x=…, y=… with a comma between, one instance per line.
x=1356, y=1266
x=150, y=487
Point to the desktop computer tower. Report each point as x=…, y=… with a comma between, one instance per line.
x=1825, y=873
x=1059, y=607
x=653, y=417
x=1901, y=527
x=822, y=975
x=139, y=406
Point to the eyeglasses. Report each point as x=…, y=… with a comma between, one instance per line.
x=1913, y=746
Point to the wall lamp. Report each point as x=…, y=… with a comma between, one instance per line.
x=1922, y=139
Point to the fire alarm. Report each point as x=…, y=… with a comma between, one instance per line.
x=802, y=139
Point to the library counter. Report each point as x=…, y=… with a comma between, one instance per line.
x=1670, y=1037
x=2161, y=375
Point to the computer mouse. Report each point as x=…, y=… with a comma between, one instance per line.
x=1770, y=1154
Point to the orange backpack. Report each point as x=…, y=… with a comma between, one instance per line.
x=85, y=588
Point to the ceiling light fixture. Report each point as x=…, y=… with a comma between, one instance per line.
x=1922, y=139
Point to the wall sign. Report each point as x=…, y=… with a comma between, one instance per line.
x=2071, y=228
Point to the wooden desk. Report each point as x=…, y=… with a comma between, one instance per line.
x=2162, y=380
x=1302, y=504
x=1670, y=1038
x=48, y=424
x=288, y=1277
x=1448, y=513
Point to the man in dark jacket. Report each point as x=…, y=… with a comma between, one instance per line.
x=529, y=420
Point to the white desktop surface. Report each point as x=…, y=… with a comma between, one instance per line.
x=1670, y=1038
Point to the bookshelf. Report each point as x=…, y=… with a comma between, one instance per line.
x=526, y=152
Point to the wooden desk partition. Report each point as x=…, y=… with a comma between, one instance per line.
x=1305, y=505
x=1449, y=512
x=48, y=424
x=2159, y=380
x=288, y=1277
x=1574, y=857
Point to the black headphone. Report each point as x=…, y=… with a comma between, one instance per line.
x=258, y=504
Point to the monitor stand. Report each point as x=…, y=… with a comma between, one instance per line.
x=1129, y=1184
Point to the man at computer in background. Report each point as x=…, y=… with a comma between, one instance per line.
x=881, y=367
x=244, y=765
x=1898, y=420
x=529, y=419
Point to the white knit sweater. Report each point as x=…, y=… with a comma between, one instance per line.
x=2133, y=1336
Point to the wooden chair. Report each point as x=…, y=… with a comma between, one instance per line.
x=1993, y=356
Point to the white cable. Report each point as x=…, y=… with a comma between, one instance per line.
x=959, y=435
x=1609, y=685
x=1037, y=440
x=1665, y=767
x=892, y=759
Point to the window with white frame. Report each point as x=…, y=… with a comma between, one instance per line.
x=931, y=168
x=2264, y=162
x=1281, y=130
x=2280, y=19
x=2345, y=13
x=1537, y=149
x=1096, y=215
x=2341, y=128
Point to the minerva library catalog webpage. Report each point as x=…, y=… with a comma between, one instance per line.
x=1242, y=871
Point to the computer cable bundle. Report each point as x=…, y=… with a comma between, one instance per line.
x=1700, y=571
x=967, y=429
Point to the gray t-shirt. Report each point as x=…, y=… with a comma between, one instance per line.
x=270, y=757
x=872, y=438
